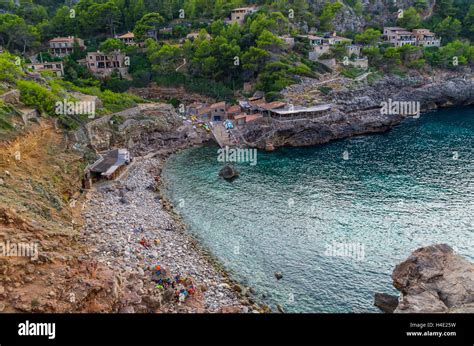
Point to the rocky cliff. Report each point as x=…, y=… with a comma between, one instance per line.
x=357, y=109
x=374, y=13
x=434, y=279
x=142, y=128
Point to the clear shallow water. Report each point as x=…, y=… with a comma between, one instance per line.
x=396, y=192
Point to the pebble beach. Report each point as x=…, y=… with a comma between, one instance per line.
x=130, y=231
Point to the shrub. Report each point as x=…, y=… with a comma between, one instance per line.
x=34, y=95
x=9, y=70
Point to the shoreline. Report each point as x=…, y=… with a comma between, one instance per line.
x=198, y=246
x=217, y=290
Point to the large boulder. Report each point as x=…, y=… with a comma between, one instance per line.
x=435, y=279
x=228, y=172
x=12, y=97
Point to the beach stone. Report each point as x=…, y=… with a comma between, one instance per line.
x=168, y=295
x=114, y=230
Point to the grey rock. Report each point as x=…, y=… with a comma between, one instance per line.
x=228, y=172
x=386, y=302
x=434, y=279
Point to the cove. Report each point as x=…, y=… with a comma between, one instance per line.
x=385, y=195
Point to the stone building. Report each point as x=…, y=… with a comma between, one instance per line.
x=62, y=46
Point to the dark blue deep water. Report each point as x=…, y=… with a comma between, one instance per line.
x=393, y=193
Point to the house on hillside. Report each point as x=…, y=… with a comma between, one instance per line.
x=322, y=44
x=314, y=40
x=426, y=38
x=289, y=42
x=103, y=65
x=318, y=51
x=237, y=15
x=417, y=37
x=353, y=49
x=127, y=39
x=233, y=111
x=62, y=46
x=56, y=67
x=333, y=39
x=399, y=36
x=195, y=34
x=218, y=111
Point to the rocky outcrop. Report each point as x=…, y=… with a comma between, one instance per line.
x=435, y=279
x=142, y=128
x=12, y=97
x=154, y=91
x=358, y=111
x=373, y=13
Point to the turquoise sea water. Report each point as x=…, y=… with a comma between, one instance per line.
x=397, y=191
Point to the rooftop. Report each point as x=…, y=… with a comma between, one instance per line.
x=234, y=109
x=393, y=28
x=63, y=39
x=127, y=35
x=298, y=109
x=218, y=105
x=110, y=162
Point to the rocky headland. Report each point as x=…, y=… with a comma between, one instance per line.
x=432, y=279
x=356, y=109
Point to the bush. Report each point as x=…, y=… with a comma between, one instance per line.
x=9, y=70
x=5, y=114
x=34, y=95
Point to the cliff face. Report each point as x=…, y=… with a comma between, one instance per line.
x=374, y=13
x=435, y=279
x=358, y=111
x=147, y=126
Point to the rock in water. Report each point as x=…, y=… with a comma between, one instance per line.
x=228, y=172
x=269, y=146
x=435, y=279
x=386, y=302
x=280, y=308
x=278, y=275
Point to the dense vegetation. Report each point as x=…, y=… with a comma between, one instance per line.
x=222, y=57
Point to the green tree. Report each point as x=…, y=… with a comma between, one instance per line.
x=327, y=15
x=9, y=70
x=107, y=15
x=449, y=29
x=15, y=33
x=444, y=8
x=166, y=59
x=410, y=19
x=468, y=24
x=369, y=36
x=150, y=22
x=268, y=41
x=254, y=59
x=62, y=23
x=392, y=57
x=111, y=44
x=420, y=5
